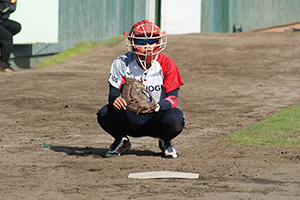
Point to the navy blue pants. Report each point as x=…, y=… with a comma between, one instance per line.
x=121, y=123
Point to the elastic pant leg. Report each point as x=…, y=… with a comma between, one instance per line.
x=165, y=125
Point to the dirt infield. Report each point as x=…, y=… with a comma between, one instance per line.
x=231, y=81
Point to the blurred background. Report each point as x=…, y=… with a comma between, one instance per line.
x=49, y=27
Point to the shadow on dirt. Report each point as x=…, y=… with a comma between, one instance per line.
x=78, y=151
x=143, y=153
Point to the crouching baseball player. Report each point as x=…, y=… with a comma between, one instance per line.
x=162, y=80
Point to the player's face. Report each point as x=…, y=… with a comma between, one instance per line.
x=146, y=44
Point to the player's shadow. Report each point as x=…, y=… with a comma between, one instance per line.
x=78, y=151
x=143, y=153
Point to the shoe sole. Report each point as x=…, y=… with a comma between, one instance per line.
x=173, y=156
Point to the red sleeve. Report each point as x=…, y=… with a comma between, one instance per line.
x=172, y=78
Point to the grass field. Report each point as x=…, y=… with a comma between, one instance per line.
x=81, y=47
x=278, y=130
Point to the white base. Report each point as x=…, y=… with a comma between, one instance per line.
x=163, y=174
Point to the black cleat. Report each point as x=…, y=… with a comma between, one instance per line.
x=118, y=147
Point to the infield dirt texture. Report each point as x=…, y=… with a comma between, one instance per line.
x=231, y=81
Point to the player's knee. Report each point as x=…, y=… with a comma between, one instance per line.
x=176, y=125
x=175, y=121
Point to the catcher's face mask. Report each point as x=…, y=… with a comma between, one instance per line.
x=146, y=40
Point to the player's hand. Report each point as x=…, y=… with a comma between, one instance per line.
x=119, y=104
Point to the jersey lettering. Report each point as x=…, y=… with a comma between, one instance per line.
x=151, y=88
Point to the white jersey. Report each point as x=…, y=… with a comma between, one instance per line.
x=161, y=78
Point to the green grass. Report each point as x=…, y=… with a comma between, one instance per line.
x=81, y=47
x=278, y=130
x=61, y=57
x=112, y=41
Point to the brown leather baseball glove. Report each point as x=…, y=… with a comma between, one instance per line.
x=137, y=98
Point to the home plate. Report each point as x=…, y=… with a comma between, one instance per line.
x=163, y=174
